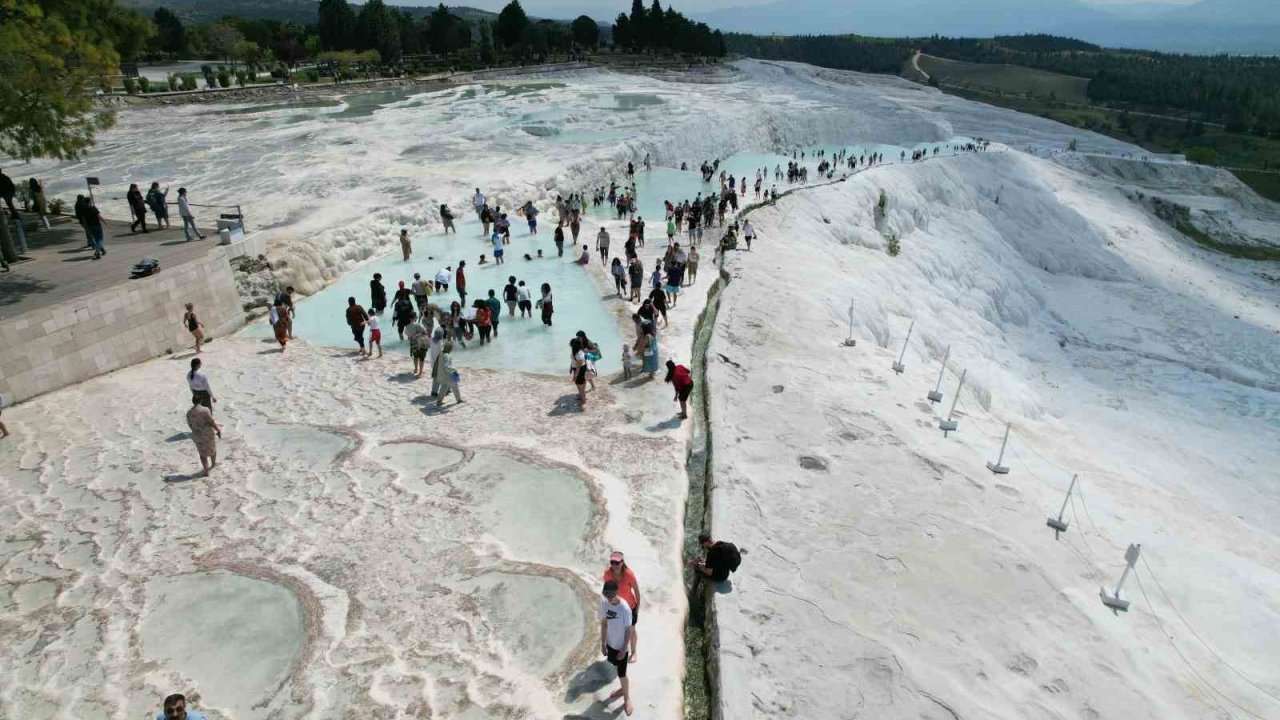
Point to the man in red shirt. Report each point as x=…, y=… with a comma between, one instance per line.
x=356, y=319
x=460, y=282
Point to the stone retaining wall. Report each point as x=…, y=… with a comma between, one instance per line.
x=137, y=320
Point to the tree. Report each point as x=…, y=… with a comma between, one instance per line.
x=622, y=35
x=337, y=25
x=412, y=35
x=654, y=34
x=51, y=61
x=378, y=30
x=550, y=36
x=487, y=54
x=225, y=40
x=585, y=32
x=171, y=36
x=1202, y=155
x=512, y=25
x=249, y=53
x=446, y=32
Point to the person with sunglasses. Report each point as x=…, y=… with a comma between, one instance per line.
x=175, y=708
x=628, y=588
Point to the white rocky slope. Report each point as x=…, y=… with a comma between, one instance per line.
x=889, y=574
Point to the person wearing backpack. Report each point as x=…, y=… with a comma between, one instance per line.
x=721, y=559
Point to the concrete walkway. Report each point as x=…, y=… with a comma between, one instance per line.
x=59, y=265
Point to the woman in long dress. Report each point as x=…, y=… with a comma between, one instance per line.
x=204, y=433
x=648, y=348
x=281, y=324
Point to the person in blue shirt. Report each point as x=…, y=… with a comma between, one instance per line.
x=175, y=708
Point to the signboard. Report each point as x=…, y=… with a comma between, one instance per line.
x=92, y=181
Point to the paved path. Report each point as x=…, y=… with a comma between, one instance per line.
x=59, y=265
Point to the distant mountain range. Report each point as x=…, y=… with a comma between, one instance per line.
x=1210, y=26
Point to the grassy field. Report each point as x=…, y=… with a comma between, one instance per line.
x=1005, y=78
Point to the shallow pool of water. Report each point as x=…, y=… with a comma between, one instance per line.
x=540, y=514
x=540, y=618
x=522, y=343
x=525, y=343
x=234, y=636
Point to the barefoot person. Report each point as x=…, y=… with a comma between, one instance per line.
x=445, y=377
x=198, y=381
x=578, y=369
x=194, y=326
x=356, y=320
x=680, y=378
x=419, y=342
x=617, y=639
x=204, y=433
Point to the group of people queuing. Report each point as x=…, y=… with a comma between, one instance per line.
x=156, y=201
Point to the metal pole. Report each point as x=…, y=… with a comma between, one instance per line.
x=898, y=367
x=998, y=467
x=956, y=398
x=1067, y=499
x=945, y=357
x=241, y=214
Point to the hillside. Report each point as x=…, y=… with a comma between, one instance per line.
x=1005, y=78
x=1236, y=26
x=299, y=11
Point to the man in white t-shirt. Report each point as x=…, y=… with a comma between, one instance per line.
x=617, y=639
x=443, y=277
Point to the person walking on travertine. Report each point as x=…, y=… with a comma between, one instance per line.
x=204, y=433
x=194, y=326
x=617, y=640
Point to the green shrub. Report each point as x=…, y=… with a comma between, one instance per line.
x=189, y=82
x=131, y=86
x=1202, y=155
x=56, y=206
x=242, y=78
x=224, y=78
x=894, y=247
x=175, y=82
x=144, y=84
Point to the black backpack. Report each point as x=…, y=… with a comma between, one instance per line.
x=731, y=554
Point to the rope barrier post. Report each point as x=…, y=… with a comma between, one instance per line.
x=898, y=367
x=1058, y=524
x=935, y=395
x=997, y=467
x=850, y=342
x=950, y=423
x=1113, y=600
